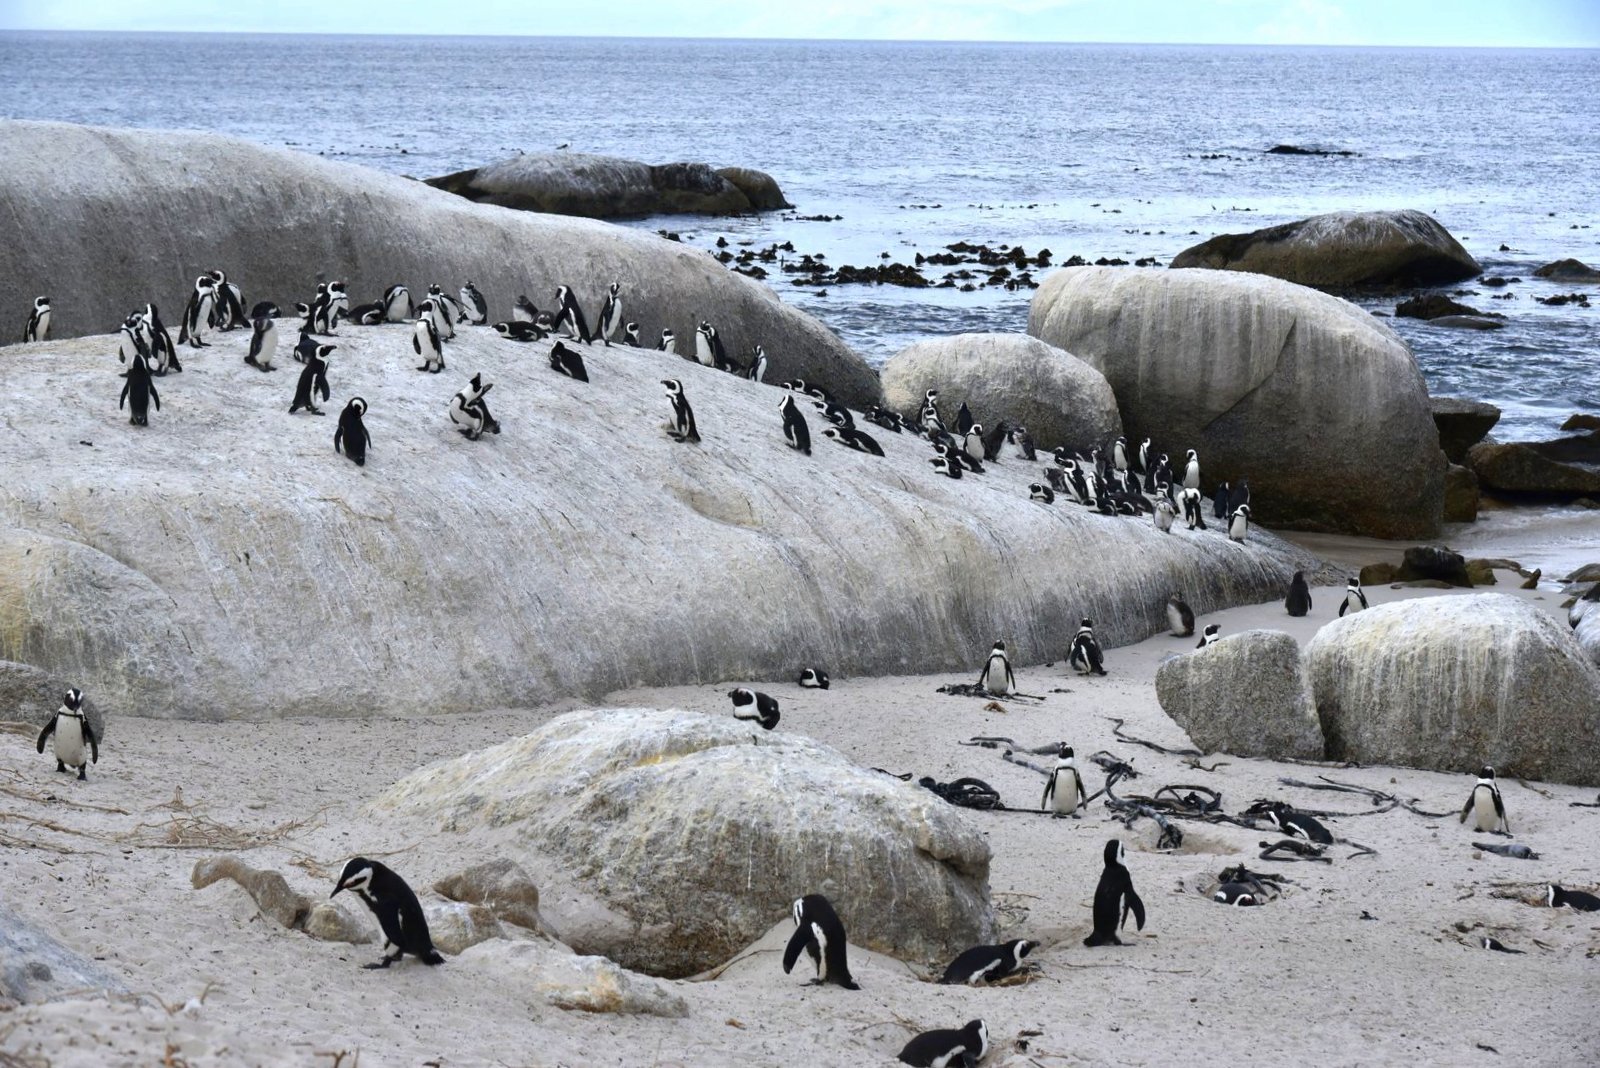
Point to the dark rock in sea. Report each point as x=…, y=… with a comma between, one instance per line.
x=1298, y=150
x=1429, y=562
x=1568, y=270
x=1495, y=281
x=1462, y=424
x=1460, y=494
x=1582, y=421
x=605, y=187
x=1580, y=299
x=1523, y=467
x=1469, y=322
x=1343, y=250
x=1432, y=306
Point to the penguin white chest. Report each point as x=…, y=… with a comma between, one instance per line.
x=1484, y=816
x=1065, y=797
x=1175, y=620
x=995, y=680
x=69, y=741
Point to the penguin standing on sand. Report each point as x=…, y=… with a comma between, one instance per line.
x=396, y=907
x=569, y=316
x=1487, y=808
x=263, y=343
x=1164, y=514
x=160, y=341
x=138, y=391
x=197, y=313
x=1239, y=525
x=1063, y=790
x=681, y=427
x=132, y=342
x=1119, y=455
x=1114, y=898
x=470, y=412
x=425, y=343
x=818, y=931
x=755, y=706
x=38, y=328
x=1298, y=603
x=948, y=1049
x=449, y=313
x=964, y=420
x=972, y=442
x=75, y=743
x=996, y=676
x=985, y=964
x=352, y=433
x=1213, y=633
x=813, y=679
x=1354, y=599
x=1022, y=442
x=610, y=314
x=795, y=430
x=1219, y=501
x=1085, y=655
x=313, y=380
x=669, y=342
x=397, y=304
x=568, y=361
x=1180, y=617
x=473, y=305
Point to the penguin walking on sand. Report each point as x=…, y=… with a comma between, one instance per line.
x=569, y=362
x=197, y=314
x=1487, y=807
x=795, y=430
x=1210, y=636
x=610, y=314
x=1085, y=655
x=1298, y=603
x=569, y=316
x=473, y=306
x=1180, y=617
x=352, y=438
x=813, y=679
x=75, y=743
x=470, y=412
x=1355, y=600
x=681, y=427
x=425, y=343
x=755, y=706
x=38, y=326
x=397, y=304
x=313, y=380
x=1064, y=793
x=138, y=391
x=1239, y=525
x=996, y=676
x=1192, y=515
x=818, y=931
x=984, y=964
x=396, y=907
x=1114, y=898
x=263, y=343
x=948, y=1049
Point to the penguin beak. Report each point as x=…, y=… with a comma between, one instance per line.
x=336, y=890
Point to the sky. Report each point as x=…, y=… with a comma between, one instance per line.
x=1463, y=23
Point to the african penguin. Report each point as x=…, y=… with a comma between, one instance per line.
x=757, y=372
x=75, y=743
x=669, y=343
x=681, y=427
x=630, y=335
x=1354, y=599
x=996, y=676
x=569, y=316
x=1119, y=454
x=855, y=439
x=197, y=314
x=708, y=346
x=755, y=706
x=964, y=420
x=1487, y=807
x=795, y=430
x=38, y=327
x=473, y=305
x=1085, y=655
x=1164, y=515
x=985, y=964
x=1191, y=470
x=396, y=907
x=568, y=361
x=818, y=931
x=470, y=412
x=1219, y=502
x=367, y=314
x=1022, y=442
x=1298, y=603
x=610, y=321
x=517, y=330
x=352, y=433
x=1190, y=499
x=450, y=311
x=160, y=342
x=1063, y=789
x=523, y=311
x=313, y=380
x=1212, y=633
x=948, y=1049
x=1296, y=824
x=1239, y=525
x=1238, y=894
x=1240, y=495
x=138, y=391
x=1114, y=898
x=263, y=343
x=972, y=442
x=1497, y=945
x=397, y=305
x=1180, y=617
x=1572, y=899
x=425, y=343
x=132, y=342
x=813, y=679
x=1038, y=491
x=230, y=302
x=946, y=466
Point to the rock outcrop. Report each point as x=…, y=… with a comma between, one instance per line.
x=696, y=841
x=1462, y=424
x=1304, y=394
x=1343, y=250
x=608, y=187
x=1450, y=683
x=174, y=204
x=178, y=569
x=1059, y=398
x=34, y=967
x=1461, y=494
x=575, y=983
x=1432, y=562
x=1246, y=694
x=1568, y=270
x=501, y=886
x=280, y=902
x=455, y=926
x=1524, y=467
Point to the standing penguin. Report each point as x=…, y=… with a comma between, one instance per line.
x=996, y=676
x=352, y=433
x=1114, y=898
x=473, y=305
x=72, y=734
x=397, y=305
x=1219, y=501
x=396, y=907
x=1022, y=442
x=1191, y=470
x=964, y=420
x=1180, y=617
x=131, y=341
x=425, y=343
x=1063, y=790
x=568, y=361
x=197, y=314
x=818, y=931
x=1213, y=633
x=1119, y=454
x=448, y=312
x=757, y=371
x=38, y=328
x=1085, y=655
x=1164, y=514
x=138, y=391
x=755, y=706
x=160, y=341
x=948, y=1049
x=708, y=346
x=1190, y=499
x=972, y=443
x=1298, y=602
x=263, y=343
x=524, y=311
x=1485, y=804
x=1240, y=495
x=1354, y=599
x=682, y=427
x=470, y=412
x=795, y=430
x=1239, y=525
x=669, y=342
x=230, y=302
x=569, y=316
x=610, y=314
x=630, y=335
x=313, y=380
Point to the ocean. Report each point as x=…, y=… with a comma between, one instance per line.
x=1122, y=152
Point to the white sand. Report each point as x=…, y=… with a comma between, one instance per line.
x=1301, y=980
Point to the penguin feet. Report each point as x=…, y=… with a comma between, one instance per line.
x=316, y=411
x=60, y=766
x=384, y=963
x=83, y=773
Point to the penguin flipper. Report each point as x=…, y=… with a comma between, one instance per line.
x=1500, y=811
x=155, y=396
x=44, y=735
x=94, y=743
x=121, y=403
x=338, y=436
x=1467, y=807
x=791, y=952
x=1131, y=902
x=321, y=386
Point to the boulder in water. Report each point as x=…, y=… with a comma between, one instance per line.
x=1460, y=495
x=1522, y=467
x=1568, y=270
x=1431, y=562
x=1433, y=306
x=1462, y=423
x=1245, y=694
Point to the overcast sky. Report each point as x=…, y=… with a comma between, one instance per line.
x=1520, y=23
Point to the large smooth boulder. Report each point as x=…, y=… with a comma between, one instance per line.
x=169, y=205
x=1452, y=683
x=1521, y=467
x=1246, y=694
x=1313, y=400
x=696, y=841
x=35, y=967
x=1059, y=398
x=1462, y=424
x=225, y=562
x=1343, y=250
x=607, y=187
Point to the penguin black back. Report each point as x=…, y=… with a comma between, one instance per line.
x=819, y=931
x=396, y=907
x=1114, y=898
x=947, y=1048
x=138, y=391
x=1298, y=602
x=352, y=433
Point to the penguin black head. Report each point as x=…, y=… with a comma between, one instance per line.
x=73, y=699
x=358, y=405
x=615, y=288
x=1243, y=509
x=324, y=351
x=999, y=647
x=1191, y=455
x=1486, y=772
x=1115, y=852
x=41, y=303
x=674, y=387
x=336, y=288
x=1066, y=752
x=357, y=876
x=931, y=395
x=205, y=281
x=1086, y=622
x=217, y=276
x=832, y=432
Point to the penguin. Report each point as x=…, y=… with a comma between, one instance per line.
x=630, y=336
x=568, y=361
x=1212, y=633
x=569, y=316
x=352, y=433
x=1219, y=502
x=1297, y=824
x=450, y=312
x=160, y=341
x=1038, y=491
x=336, y=308
x=996, y=676
x=1487, y=807
x=1354, y=599
x=306, y=347
x=367, y=314
x=473, y=306
x=756, y=706
x=886, y=419
x=1298, y=603
x=1240, y=496
x=74, y=738
x=1119, y=454
x=610, y=314
x=932, y=424
x=1063, y=790
x=946, y=466
x=131, y=341
x=263, y=343
x=853, y=438
x=1191, y=470
x=1497, y=945
x=397, y=304
x=1180, y=617
x=757, y=371
x=516, y=330
x=835, y=414
x=396, y=907
x=682, y=427
x=1190, y=498
x=1022, y=442
x=1144, y=457
x=38, y=328
x=708, y=346
x=984, y=964
x=817, y=930
x=1572, y=899
x=1164, y=515
x=313, y=380
x=972, y=442
x=229, y=311
x=948, y=1049
x=523, y=311
x=1238, y=894
x=197, y=313
x=425, y=343
x=795, y=430
x=138, y=391
x=813, y=679
x=1056, y=479
x=964, y=420
x=669, y=342
x=1114, y=897
x=1085, y=655
x=470, y=412
x=1239, y=526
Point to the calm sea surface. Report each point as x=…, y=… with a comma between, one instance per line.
x=1087, y=150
